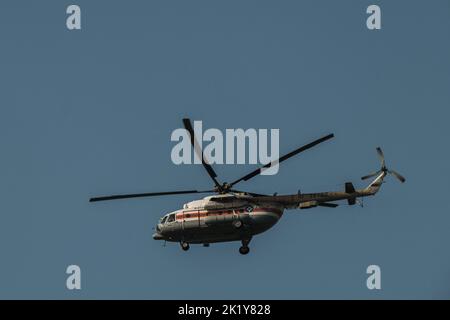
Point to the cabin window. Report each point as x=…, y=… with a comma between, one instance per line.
x=171, y=218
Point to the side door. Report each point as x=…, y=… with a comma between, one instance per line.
x=203, y=217
x=245, y=213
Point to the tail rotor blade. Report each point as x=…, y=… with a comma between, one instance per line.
x=398, y=176
x=381, y=155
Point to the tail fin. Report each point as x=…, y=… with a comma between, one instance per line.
x=375, y=185
x=349, y=188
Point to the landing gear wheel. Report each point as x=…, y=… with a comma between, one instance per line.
x=244, y=250
x=237, y=224
x=184, y=246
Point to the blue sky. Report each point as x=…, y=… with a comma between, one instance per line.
x=90, y=112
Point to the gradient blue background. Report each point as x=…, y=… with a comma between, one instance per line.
x=90, y=112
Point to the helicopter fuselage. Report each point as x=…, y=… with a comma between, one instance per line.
x=207, y=221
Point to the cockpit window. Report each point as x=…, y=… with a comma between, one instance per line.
x=163, y=220
x=171, y=218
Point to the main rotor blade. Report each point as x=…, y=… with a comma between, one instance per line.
x=381, y=155
x=140, y=195
x=283, y=158
x=370, y=175
x=398, y=176
x=250, y=193
x=199, y=152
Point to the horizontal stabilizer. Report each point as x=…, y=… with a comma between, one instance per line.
x=328, y=204
x=313, y=204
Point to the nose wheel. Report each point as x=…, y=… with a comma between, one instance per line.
x=184, y=246
x=244, y=249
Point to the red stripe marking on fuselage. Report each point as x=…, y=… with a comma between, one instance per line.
x=197, y=214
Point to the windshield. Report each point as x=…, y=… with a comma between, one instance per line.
x=163, y=219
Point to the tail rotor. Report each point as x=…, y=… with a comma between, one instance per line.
x=384, y=169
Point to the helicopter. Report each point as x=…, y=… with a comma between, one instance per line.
x=233, y=215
